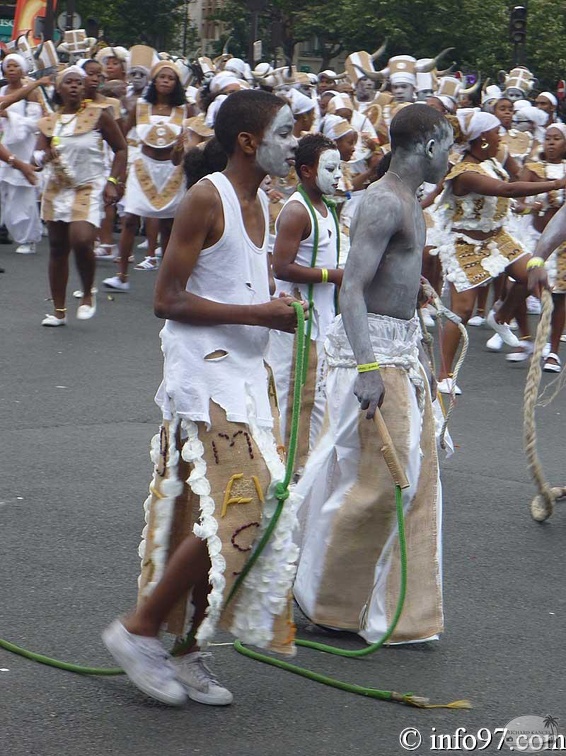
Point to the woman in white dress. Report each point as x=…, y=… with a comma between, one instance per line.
x=155, y=185
x=71, y=145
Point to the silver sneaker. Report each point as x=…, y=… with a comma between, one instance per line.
x=199, y=681
x=146, y=663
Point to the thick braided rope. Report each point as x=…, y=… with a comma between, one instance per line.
x=529, y=404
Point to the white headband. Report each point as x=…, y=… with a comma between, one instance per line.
x=549, y=96
x=19, y=59
x=560, y=126
x=213, y=109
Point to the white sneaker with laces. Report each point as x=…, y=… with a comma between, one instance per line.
x=198, y=680
x=26, y=249
x=495, y=343
x=145, y=662
x=116, y=283
x=503, y=330
x=447, y=386
x=476, y=321
x=148, y=263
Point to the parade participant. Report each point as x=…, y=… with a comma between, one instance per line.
x=305, y=264
x=552, y=165
x=304, y=112
x=105, y=249
x=548, y=103
x=213, y=290
x=473, y=243
x=155, y=186
x=18, y=198
x=326, y=81
x=348, y=574
x=114, y=61
x=70, y=146
x=518, y=84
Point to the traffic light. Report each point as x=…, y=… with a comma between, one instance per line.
x=518, y=25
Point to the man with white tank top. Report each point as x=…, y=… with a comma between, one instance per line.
x=216, y=455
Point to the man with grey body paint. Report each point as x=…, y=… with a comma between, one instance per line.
x=348, y=575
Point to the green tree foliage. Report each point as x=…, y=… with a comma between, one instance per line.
x=477, y=29
x=158, y=23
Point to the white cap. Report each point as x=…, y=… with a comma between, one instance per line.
x=328, y=74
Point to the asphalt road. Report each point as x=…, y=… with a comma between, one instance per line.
x=77, y=415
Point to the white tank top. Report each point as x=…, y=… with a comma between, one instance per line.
x=323, y=294
x=232, y=271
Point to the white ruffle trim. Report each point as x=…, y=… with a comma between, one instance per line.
x=163, y=508
x=494, y=263
x=206, y=529
x=265, y=592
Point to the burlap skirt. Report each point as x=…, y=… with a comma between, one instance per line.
x=349, y=570
x=217, y=484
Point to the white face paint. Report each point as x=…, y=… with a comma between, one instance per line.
x=402, y=92
x=513, y=94
x=329, y=171
x=276, y=153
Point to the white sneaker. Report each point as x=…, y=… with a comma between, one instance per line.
x=476, y=321
x=149, y=263
x=26, y=249
x=513, y=325
x=503, y=330
x=533, y=305
x=106, y=252
x=146, y=663
x=144, y=244
x=79, y=293
x=159, y=252
x=198, y=680
x=447, y=386
x=522, y=354
x=495, y=343
x=52, y=321
x=86, y=312
x=116, y=283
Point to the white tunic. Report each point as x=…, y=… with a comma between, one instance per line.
x=232, y=271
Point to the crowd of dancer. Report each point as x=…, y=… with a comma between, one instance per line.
x=302, y=188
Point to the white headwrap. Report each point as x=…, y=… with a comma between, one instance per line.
x=491, y=92
x=549, y=96
x=560, y=126
x=340, y=102
x=448, y=102
x=213, y=109
x=335, y=127
x=237, y=66
x=535, y=115
x=300, y=103
x=223, y=80
x=475, y=122
x=19, y=59
x=71, y=70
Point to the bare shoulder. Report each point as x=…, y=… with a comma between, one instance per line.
x=381, y=204
x=293, y=212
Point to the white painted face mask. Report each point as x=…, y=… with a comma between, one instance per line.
x=276, y=153
x=329, y=172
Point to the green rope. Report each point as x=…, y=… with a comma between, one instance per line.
x=282, y=494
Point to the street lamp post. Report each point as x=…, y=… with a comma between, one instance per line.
x=256, y=7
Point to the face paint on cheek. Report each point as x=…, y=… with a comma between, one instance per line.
x=276, y=152
x=329, y=171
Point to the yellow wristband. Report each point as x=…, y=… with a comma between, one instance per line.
x=535, y=262
x=368, y=367
x=324, y=275
x=112, y=180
